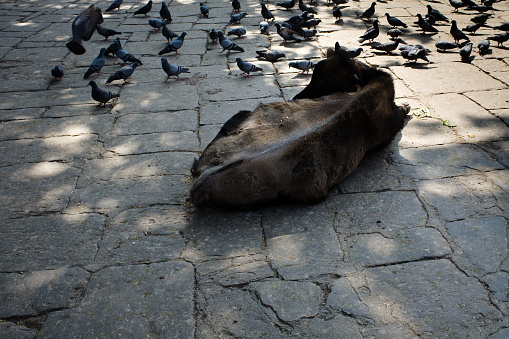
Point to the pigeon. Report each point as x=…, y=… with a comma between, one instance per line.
x=227, y=44
x=483, y=47
x=125, y=56
x=395, y=22
x=338, y=2
x=170, y=69
x=305, y=8
x=116, y=4
x=106, y=32
x=456, y=33
x=395, y=33
x=266, y=14
x=239, y=32
x=168, y=33
x=336, y=13
x=57, y=72
x=235, y=18
x=271, y=55
x=308, y=33
x=472, y=28
x=213, y=36
x=465, y=52
x=164, y=12
x=286, y=34
x=430, y=19
x=174, y=45
x=312, y=23
x=101, y=95
x=144, y=9
x=500, y=38
x=371, y=33
x=157, y=23
x=204, y=9
x=83, y=27
x=414, y=52
x=442, y=46
x=354, y=52
x=456, y=4
x=264, y=27
x=482, y=8
x=298, y=20
x=425, y=25
x=113, y=47
x=436, y=14
x=481, y=18
x=236, y=5
x=247, y=67
x=303, y=65
x=388, y=46
x=502, y=27
x=123, y=73
x=96, y=65
x=286, y=4
x=368, y=13
x=469, y=3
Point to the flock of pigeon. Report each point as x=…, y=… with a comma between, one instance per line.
x=296, y=29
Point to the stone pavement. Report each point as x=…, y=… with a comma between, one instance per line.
x=99, y=241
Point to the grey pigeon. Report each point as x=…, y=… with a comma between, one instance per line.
x=125, y=56
x=354, y=52
x=227, y=44
x=168, y=33
x=481, y=18
x=170, y=69
x=436, y=14
x=101, y=95
x=305, y=8
x=465, y=52
x=371, y=33
x=395, y=33
x=456, y=33
x=213, y=36
x=395, y=22
x=388, y=46
x=286, y=34
x=286, y=4
x=368, y=13
x=235, y=18
x=271, y=55
x=502, y=27
x=106, y=32
x=414, y=52
x=303, y=65
x=97, y=64
x=266, y=14
x=484, y=47
x=123, y=73
x=57, y=72
x=157, y=23
x=312, y=23
x=204, y=10
x=472, y=28
x=469, y=3
x=174, y=45
x=236, y=5
x=500, y=38
x=430, y=19
x=308, y=33
x=239, y=32
x=116, y=4
x=83, y=27
x=113, y=47
x=482, y=8
x=144, y=9
x=336, y=13
x=456, y=4
x=264, y=27
x=164, y=12
x=442, y=46
x=425, y=25
x=247, y=67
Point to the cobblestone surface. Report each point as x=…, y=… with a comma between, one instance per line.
x=98, y=237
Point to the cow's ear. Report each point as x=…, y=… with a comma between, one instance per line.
x=337, y=47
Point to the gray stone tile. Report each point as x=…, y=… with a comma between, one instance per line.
x=153, y=142
x=10, y=330
x=156, y=122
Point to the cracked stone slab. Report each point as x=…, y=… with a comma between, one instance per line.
x=409, y=245
x=491, y=99
x=140, y=301
x=11, y=330
x=73, y=239
x=444, y=161
x=34, y=292
x=420, y=132
x=484, y=241
x=337, y=327
x=419, y=294
x=343, y=297
x=153, y=142
x=308, y=254
x=21, y=114
x=142, y=236
x=234, y=271
x=288, y=305
x=234, y=313
x=498, y=284
x=36, y=188
x=63, y=97
x=133, y=166
x=156, y=122
x=237, y=88
x=382, y=212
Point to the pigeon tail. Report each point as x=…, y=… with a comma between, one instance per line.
x=76, y=47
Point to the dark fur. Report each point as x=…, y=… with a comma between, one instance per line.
x=296, y=151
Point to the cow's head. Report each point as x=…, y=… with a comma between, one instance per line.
x=337, y=73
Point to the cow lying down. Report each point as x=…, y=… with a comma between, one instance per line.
x=296, y=151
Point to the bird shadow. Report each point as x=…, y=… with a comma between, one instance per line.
x=415, y=65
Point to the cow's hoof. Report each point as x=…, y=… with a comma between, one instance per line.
x=405, y=108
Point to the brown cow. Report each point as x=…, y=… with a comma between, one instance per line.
x=296, y=151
